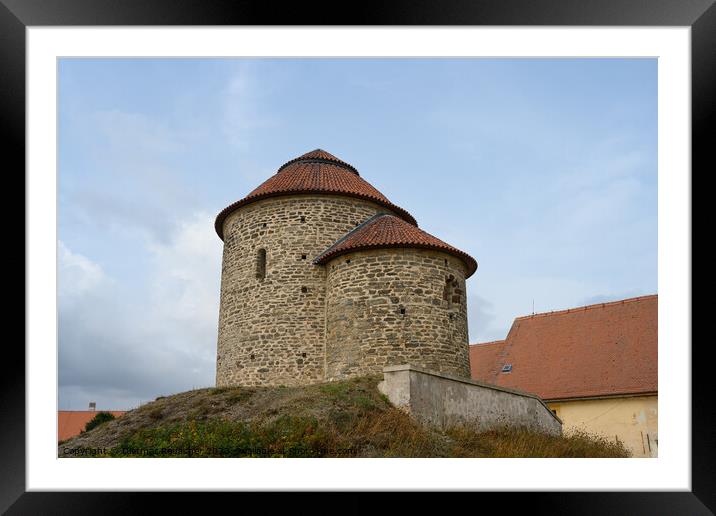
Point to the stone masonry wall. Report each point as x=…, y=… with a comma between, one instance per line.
x=395, y=306
x=272, y=330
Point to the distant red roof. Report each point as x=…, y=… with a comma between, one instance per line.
x=597, y=350
x=314, y=172
x=71, y=422
x=388, y=231
x=483, y=358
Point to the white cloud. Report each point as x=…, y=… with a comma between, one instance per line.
x=119, y=347
x=481, y=319
x=186, y=280
x=76, y=274
x=132, y=178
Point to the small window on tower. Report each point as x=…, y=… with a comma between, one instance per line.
x=451, y=293
x=303, y=219
x=261, y=264
x=507, y=368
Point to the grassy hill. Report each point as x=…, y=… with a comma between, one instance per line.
x=340, y=419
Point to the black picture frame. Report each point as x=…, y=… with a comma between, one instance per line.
x=700, y=15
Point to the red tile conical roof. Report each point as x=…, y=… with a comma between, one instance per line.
x=387, y=231
x=319, y=156
x=314, y=172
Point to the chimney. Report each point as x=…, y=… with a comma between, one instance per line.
x=92, y=405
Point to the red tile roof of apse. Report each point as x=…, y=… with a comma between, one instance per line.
x=387, y=231
x=314, y=172
x=605, y=349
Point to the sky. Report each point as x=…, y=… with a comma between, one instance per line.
x=544, y=170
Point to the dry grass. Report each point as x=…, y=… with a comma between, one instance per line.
x=521, y=443
x=341, y=419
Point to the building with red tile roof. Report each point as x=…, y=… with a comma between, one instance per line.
x=71, y=422
x=582, y=362
x=324, y=277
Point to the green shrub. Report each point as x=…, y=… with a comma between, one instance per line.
x=156, y=413
x=239, y=395
x=101, y=417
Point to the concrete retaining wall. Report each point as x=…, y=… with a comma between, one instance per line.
x=445, y=400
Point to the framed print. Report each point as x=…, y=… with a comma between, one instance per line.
x=550, y=136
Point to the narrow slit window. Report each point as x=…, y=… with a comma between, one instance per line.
x=261, y=264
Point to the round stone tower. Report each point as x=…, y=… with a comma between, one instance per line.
x=272, y=307
x=395, y=295
x=323, y=277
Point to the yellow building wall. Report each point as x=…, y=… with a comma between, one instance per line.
x=633, y=420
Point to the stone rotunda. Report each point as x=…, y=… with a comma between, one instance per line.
x=324, y=278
